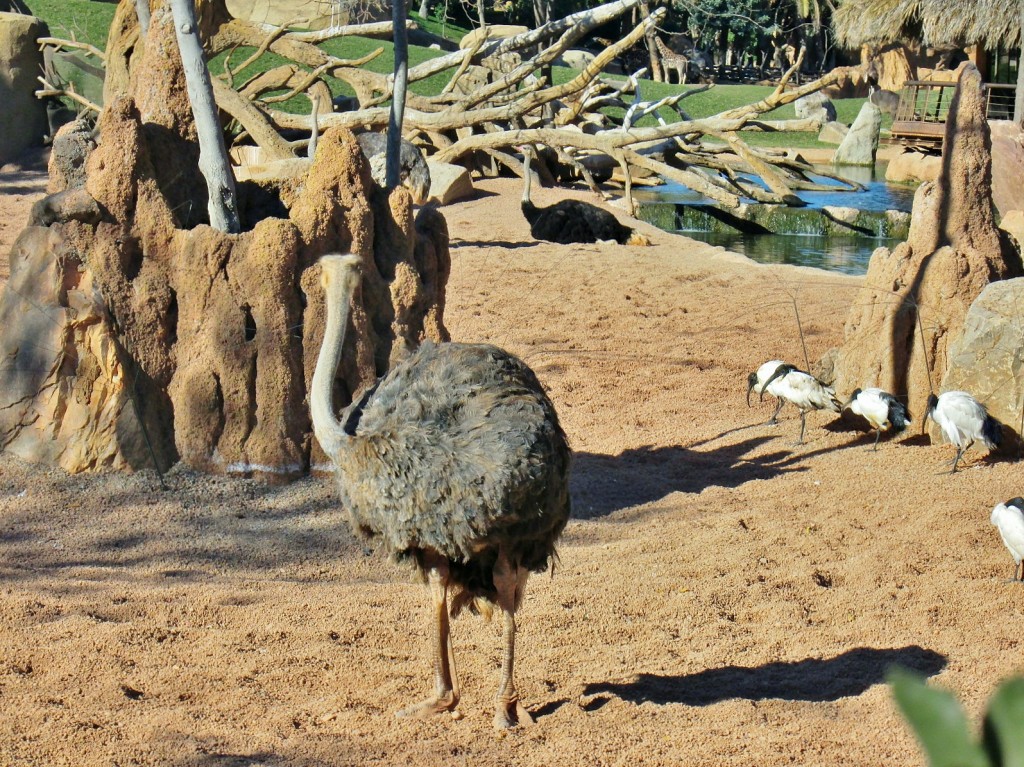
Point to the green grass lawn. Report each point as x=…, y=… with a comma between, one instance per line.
x=88, y=21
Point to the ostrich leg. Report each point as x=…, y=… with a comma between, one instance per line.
x=446, y=687
x=510, y=583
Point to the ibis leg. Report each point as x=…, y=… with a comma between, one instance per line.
x=803, y=425
x=878, y=434
x=775, y=415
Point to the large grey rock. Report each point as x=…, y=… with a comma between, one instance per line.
x=22, y=116
x=861, y=143
x=449, y=183
x=815, y=106
x=833, y=133
x=988, y=358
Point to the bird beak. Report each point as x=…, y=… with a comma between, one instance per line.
x=750, y=387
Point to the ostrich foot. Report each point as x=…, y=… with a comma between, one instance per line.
x=510, y=713
x=438, y=704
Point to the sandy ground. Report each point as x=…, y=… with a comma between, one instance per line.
x=724, y=597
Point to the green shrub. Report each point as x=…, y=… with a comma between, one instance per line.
x=941, y=725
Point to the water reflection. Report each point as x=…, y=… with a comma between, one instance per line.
x=849, y=255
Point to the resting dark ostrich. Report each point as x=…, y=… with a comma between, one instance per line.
x=456, y=460
x=571, y=221
x=413, y=171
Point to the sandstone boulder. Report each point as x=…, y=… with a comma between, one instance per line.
x=449, y=183
x=833, y=133
x=988, y=357
x=23, y=116
x=915, y=298
x=913, y=167
x=1013, y=224
x=1007, y=172
x=861, y=143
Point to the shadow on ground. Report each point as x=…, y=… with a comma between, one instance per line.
x=604, y=484
x=814, y=679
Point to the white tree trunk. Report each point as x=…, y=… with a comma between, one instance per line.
x=142, y=10
x=398, y=94
x=213, y=156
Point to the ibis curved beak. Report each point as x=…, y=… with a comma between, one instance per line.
x=751, y=383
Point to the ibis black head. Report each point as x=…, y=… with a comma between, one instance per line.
x=933, y=402
x=1017, y=503
x=856, y=393
x=751, y=383
x=782, y=370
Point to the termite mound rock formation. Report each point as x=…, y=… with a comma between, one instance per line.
x=915, y=298
x=133, y=333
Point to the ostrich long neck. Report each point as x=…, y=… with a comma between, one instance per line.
x=528, y=207
x=340, y=278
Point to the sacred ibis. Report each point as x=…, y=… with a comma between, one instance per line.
x=1009, y=518
x=880, y=409
x=803, y=390
x=963, y=421
x=760, y=378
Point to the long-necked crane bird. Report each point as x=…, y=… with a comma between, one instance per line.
x=880, y=409
x=963, y=421
x=803, y=390
x=759, y=378
x=1009, y=519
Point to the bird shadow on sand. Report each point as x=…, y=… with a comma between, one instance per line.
x=814, y=680
x=603, y=484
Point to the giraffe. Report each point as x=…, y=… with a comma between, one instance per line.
x=672, y=60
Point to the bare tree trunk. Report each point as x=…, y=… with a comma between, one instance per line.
x=652, y=50
x=398, y=94
x=213, y=156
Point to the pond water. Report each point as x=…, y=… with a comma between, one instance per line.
x=838, y=253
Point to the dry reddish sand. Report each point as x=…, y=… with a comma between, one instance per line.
x=724, y=597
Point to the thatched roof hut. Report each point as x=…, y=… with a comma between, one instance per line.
x=990, y=23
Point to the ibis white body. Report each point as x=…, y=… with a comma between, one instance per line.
x=759, y=378
x=1009, y=519
x=880, y=409
x=803, y=390
x=963, y=421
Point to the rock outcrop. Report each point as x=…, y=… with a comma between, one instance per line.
x=133, y=333
x=23, y=116
x=988, y=358
x=815, y=106
x=861, y=143
x=915, y=299
x=1008, y=146
x=911, y=166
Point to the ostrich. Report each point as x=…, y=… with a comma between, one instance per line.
x=456, y=460
x=803, y=390
x=759, y=378
x=414, y=173
x=880, y=409
x=572, y=221
x=963, y=421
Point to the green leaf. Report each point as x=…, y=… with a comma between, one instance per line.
x=938, y=721
x=1004, y=724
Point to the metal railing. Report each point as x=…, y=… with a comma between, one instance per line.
x=928, y=102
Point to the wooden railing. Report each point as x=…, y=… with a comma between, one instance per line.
x=921, y=115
